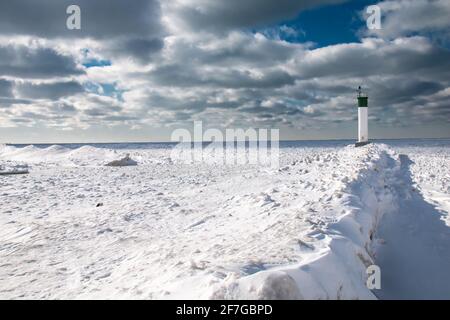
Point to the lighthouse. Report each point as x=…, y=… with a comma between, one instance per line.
x=363, y=130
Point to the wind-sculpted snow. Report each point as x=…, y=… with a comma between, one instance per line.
x=415, y=255
x=74, y=228
x=338, y=270
x=430, y=170
x=61, y=156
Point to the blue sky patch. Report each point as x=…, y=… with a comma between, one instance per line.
x=325, y=25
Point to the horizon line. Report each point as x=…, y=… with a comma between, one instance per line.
x=166, y=142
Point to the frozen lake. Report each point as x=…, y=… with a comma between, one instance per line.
x=75, y=228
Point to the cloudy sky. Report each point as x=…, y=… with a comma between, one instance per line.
x=139, y=69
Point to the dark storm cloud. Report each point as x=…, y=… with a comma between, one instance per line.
x=157, y=101
x=274, y=110
x=21, y=120
x=97, y=112
x=412, y=17
x=5, y=88
x=442, y=110
x=42, y=116
x=424, y=112
x=186, y=76
x=108, y=113
x=63, y=108
x=28, y=62
x=100, y=19
x=378, y=58
x=103, y=102
x=235, y=49
x=320, y=84
x=50, y=91
x=120, y=118
x=140, y=48
x=398, y=90
x=129, y=28
x=233, y=14
x=8, y=102
x=51, y=111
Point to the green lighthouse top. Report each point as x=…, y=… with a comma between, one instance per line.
x=363, y=101
x=362, y=98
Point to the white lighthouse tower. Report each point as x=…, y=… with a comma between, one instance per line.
x=363, y=128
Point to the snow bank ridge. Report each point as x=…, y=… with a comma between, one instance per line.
x=339, y=272
x=59, y=155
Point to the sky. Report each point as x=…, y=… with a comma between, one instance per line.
x=137, y=70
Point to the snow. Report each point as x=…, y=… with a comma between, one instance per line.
x=416, y=254
x=124, y=162
x=75, y=228
x=8, y=167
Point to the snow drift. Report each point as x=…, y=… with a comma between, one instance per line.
x=339, y=271
x=167, y=230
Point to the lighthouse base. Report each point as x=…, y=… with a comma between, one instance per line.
x=360, y=144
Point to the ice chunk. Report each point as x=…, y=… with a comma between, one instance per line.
x=8, y=168
x=126, y=161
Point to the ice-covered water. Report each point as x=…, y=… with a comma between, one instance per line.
x=75, y=228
